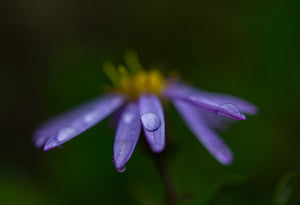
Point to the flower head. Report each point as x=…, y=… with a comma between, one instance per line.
x=138, y=94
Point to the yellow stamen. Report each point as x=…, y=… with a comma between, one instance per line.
x=111, y=72
x=132, y=61
x=135, y=81
x=122, y=70
x=141, y=82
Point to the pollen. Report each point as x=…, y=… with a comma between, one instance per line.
x=132, y=80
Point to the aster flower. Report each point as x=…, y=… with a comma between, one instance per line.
x=138, y=93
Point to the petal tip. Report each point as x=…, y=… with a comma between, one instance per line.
x=156, y=140
x=226, y=158
x=122, y=169
x=243, y=117
x=50, y=145
x=231, y=111
x=39, y=139
x=158, y=148
x=255, y=110
x=38, y=143
x=119, y=165
x=47, y=148
x=227, y=163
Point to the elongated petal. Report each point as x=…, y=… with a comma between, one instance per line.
x=128, y=132
x=216, y=121
x=225, y=105
x=153, y=121
x=210, y=139
x=243, y=105
x=70, y=124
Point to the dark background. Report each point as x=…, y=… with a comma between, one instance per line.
x=51, y=53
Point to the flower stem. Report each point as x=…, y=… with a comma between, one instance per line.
x=161, y=164
x=165, y=176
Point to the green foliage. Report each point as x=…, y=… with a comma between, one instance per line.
x=244, y=48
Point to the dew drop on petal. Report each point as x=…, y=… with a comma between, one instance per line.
x=127, y=117
x=231, y=111
x=122, y=169
x=150, y=121
x=65, y=133
x=90, y=117
x=50, y=144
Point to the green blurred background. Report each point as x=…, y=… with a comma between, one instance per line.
x=51, y=57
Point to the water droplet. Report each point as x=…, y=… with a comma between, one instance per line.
x=150, y=121
x=127, y=117
x=122, y=169
x=231, y=111
x=65, y=133
x=50, y=144
x=90, y=117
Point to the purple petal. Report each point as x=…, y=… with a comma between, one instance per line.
x=243, y=105
x=128, y=132
x=216, y=121
x=115, y=117
x=220, y=104
x=70, y=124
x=210, y=139
x=153, y=121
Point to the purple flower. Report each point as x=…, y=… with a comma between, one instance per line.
x=138, y=93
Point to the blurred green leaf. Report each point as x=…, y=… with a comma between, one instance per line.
x=287, y=188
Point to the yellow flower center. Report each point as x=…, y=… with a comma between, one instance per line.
x=134, y=80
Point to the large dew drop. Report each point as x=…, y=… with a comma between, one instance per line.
x=150, y=121
x=231, y=111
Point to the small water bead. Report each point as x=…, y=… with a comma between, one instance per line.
x=231, y=111
x=128, y=117
x=90, y=117
x=65, y=133
x=150, y=121
x=122, y=169
x=50, y=144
